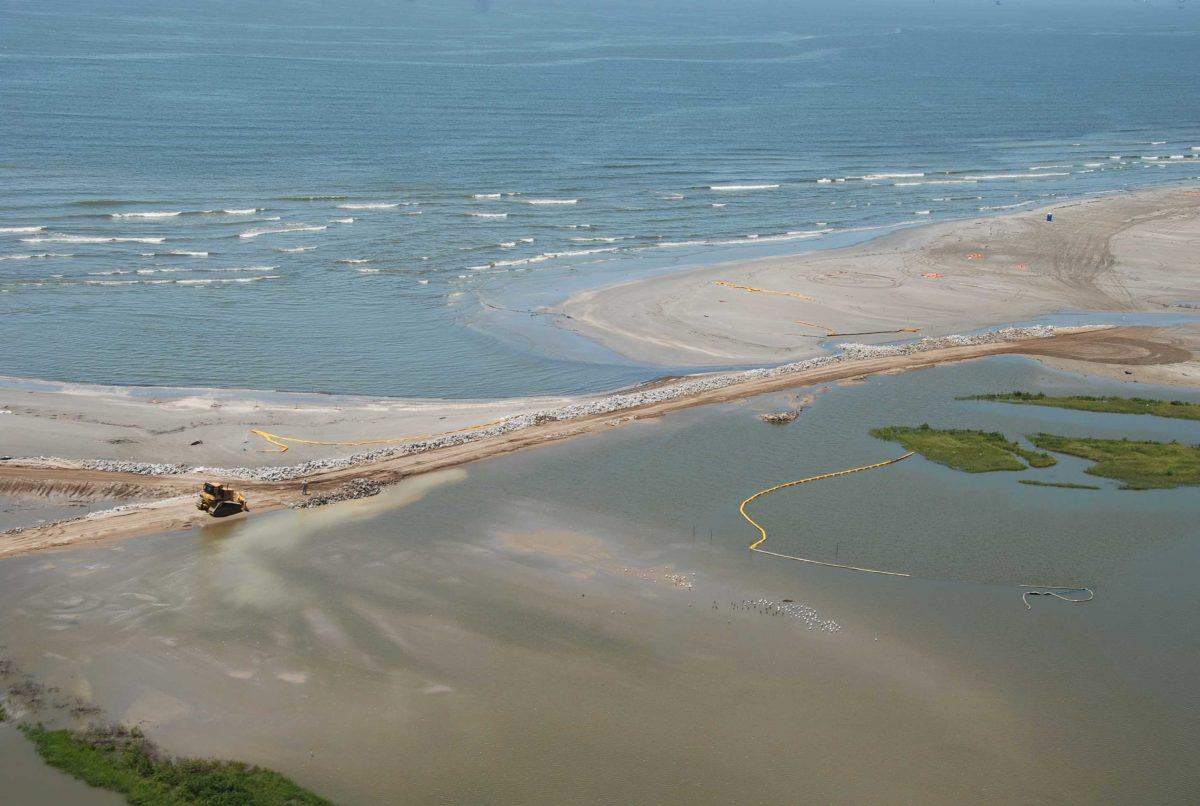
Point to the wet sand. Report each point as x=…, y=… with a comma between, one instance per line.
x=177, y=510
x=212, y=426
x=1128, y=252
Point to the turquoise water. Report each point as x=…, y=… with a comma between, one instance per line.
x=171, y=174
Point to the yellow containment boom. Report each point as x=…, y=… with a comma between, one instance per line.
x=281, y=442
x=763, y=532
x=754, y=290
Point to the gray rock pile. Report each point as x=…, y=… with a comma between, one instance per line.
x=603, y=405
x=355, y=488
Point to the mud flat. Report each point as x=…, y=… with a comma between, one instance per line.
x=1127, y=252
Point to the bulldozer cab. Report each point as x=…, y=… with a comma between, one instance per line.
x=218, y=500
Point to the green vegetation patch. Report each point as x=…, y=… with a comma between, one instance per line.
x=1176, y=409
x=1066, y=485
x=125, y=761
x=968, y=451
x=1139, y=465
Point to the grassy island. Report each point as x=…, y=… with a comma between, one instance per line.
x=1175, y=409
x=1138, y=465
x=125, y=761
x=968, y=451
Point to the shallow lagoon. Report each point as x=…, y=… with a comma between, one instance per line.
x=557, y=625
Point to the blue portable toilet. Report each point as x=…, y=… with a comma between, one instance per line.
x=1049, y=216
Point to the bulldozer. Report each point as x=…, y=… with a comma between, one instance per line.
x=218, y=500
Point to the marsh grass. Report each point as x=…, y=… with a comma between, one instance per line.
x=1138, y=465
x=1066, y=485
x=968, y=451
x=124, y=761
x=1175, y=409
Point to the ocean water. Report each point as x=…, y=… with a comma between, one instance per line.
x=376, y=197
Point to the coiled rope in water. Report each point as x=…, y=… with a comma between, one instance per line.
x=1057, y=591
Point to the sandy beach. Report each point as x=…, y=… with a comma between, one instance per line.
x=173, y=489
x=1129, y=252
x=1120, y=253
x=213, y=426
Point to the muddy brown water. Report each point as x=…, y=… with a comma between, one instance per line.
x=583, y=623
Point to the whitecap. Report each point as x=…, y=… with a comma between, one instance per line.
x=368, y=205
x=488, y=215
x=37, y=256
x=794, y=235
x=352, y=260
x=547, y=256
x=718, y=204
x=294, y=248
x=875, y=177
x=740, y=187
x=551, y=201
x=148, y=214
x=824, y=181
x=186, y=253
x=485, y=195
x=985, y=177
x=254, y=233
x=368, y=271
x=236, y=269
x=1007, y=206
x=242, y=210
x=341, y=220
x=21, y=229
x=222, y=280
x=920, y=212
x=936, y=182
x=672, y=197
x=87, y=239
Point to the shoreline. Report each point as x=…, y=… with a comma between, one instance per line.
x=1120, y=251
x=275, y=488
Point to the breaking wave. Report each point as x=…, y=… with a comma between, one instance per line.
x=37, y=256
x=149, y=214
x=740, y=187
x=254, y=233
x=88, y=239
